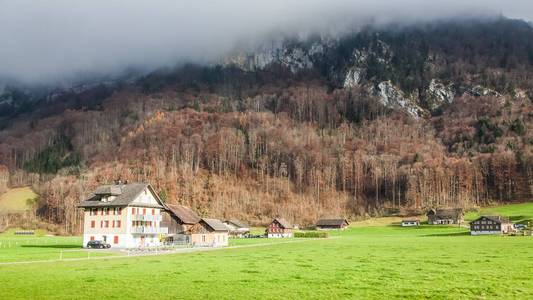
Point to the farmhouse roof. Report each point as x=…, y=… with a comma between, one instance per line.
x=238, y=223
x=216, y=224
x=498, y=219
x=331, y=222
x=284, y=223
x=410, y=220
x=185, y=214
x=446, y=213
x=124, y=195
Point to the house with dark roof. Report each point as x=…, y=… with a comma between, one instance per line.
x=237, y=228
x=124, y=216
x=491, y=225
x=209, y=233
x=334, y=223
x=279, y=228
x=445, y=216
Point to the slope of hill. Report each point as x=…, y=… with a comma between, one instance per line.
x=17, y=200
x=517, y=213
x=377, y=121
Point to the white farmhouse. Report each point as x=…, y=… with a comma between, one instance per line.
x=124, y=216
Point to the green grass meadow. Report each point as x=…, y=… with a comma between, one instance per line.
x=363, y=262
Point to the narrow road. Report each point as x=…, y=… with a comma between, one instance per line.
x=162, y=252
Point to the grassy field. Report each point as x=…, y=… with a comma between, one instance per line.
x=18, y=248
x=363, y=262
x=16, y=200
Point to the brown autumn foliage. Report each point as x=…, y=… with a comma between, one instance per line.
x=298, y=151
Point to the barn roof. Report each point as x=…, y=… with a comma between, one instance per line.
x=284, y=223
x=446, y=213
x=331, y=222
x=498, y=219
x=124, y=195
x=216, y=224
x=410, y=220
x=183, y=213
x=237, y=223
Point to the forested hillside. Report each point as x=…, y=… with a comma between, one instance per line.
x=374, y=122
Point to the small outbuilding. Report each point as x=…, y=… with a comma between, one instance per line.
x=410, y=222
x=237, y=228
x=491, y=225
x=179, y=219
x=445, y=216
x=330, y=224
x=279, y=228
x=209, y=233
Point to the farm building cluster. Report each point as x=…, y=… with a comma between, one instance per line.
x=133, y=215
x=480, y=226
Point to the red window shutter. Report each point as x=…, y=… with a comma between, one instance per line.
x=153, y=211
x=92, y=238
x=113, y=223
x=115, y=239
x=119, y=211
x=101, y=224
x=92, y=224
x=144, y=211
x=133, y=210
x=118, y=224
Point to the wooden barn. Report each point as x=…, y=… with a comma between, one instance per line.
x=179, y=219
x=330, y=224
x=445, y=216
x=491, y=225
x=279, y=228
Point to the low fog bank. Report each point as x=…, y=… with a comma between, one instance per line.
x=49, y=42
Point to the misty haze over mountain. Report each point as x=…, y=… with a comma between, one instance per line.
x=51, y=41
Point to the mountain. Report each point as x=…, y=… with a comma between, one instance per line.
x=377, y=121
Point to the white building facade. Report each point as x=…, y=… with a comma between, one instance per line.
x=124, y=216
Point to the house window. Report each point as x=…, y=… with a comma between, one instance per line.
x=119, y=211
x=115, y=239
x=92, y=224
x=106, y=224
x=101, y=224
x=105, y=211
x=133, y=210
x=118, y=224
x=113, y=223
x=92, y=238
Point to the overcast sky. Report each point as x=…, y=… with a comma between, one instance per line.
x=48, y=40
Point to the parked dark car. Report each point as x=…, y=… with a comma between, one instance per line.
x=520, y=226
x=98, y=245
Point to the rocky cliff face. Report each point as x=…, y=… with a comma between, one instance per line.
x=368, y=66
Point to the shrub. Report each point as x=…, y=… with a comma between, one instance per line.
x=311, y=234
